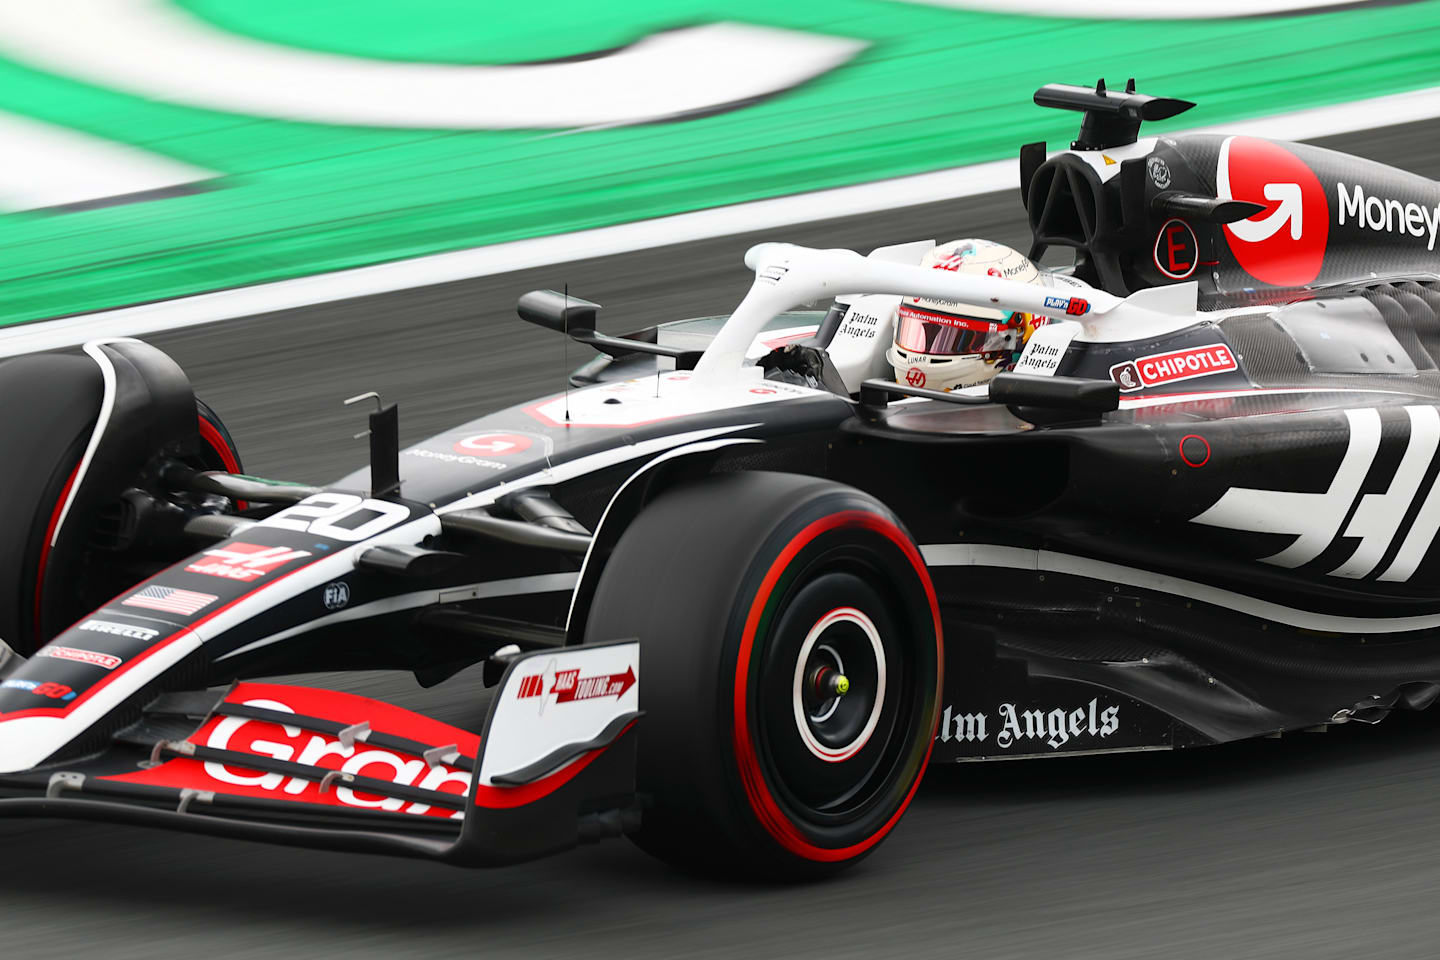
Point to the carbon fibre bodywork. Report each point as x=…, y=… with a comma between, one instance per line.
x=1241, y=544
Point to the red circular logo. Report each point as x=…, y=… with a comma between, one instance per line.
x=493, y=444
x=762, y=390
x=1284, y=244
x=1194, y=450
x=915, y=377
x=1176, y=250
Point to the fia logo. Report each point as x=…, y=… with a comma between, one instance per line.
x=336, y=595
x=1314, y=519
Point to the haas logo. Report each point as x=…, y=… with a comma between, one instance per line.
x=567, y=686
x=1285, y=244
x=1370, y=526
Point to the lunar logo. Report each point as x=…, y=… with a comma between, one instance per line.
x=1285, y=244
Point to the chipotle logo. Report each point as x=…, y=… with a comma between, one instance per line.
x=1284, y=244
x=76, y=655
x=1161, y=368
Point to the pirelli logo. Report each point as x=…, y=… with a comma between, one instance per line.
x=119, y=629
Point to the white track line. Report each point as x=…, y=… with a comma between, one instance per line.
x=1138, y=9
x=645, y=234
x=49, y=166
x=155, y=49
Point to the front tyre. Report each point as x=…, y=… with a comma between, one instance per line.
x=791, y=653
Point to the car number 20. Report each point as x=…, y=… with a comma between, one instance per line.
x=325, y=515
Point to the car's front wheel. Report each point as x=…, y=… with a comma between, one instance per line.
x=790, y=659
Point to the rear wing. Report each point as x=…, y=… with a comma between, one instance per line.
x=553, y=765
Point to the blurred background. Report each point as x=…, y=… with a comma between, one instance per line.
x=156, y=148
x=153, y=152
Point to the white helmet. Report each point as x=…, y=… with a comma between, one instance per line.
x=944, y=345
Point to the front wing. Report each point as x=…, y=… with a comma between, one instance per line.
x=553, y=765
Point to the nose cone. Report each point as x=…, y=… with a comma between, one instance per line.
x=25, y=742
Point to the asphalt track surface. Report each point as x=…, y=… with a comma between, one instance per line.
x=1309, y=846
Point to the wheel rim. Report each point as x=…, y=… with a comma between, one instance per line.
x=815, y=809
x=836, y=724
x=832, y=759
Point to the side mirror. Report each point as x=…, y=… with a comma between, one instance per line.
x=1055, y=401
x=576, y=318
x=1055, y=393
x=1175, y=203
x=555, y=311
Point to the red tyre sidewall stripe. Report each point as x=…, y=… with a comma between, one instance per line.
x=217, y=442
x=211, y=435
x=45, y=546
x=208, y=432
x=757, y=792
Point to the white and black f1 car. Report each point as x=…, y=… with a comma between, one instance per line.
x=710, y=584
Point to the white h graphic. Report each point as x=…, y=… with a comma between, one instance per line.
x=1314, y=519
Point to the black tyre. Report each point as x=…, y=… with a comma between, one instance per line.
x=41, y=579
x=217, y=447
x=751, y=594
x=40, y=451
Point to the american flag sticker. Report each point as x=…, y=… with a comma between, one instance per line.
x=170, y=600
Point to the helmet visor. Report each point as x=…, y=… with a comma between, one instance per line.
x=942, y=334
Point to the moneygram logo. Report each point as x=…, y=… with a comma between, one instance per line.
x=1388, y=215
x=1285, y=244
x=493, y=444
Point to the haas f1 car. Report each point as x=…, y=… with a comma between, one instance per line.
x=735, y=589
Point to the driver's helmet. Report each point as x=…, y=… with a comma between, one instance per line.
x=945, y=345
